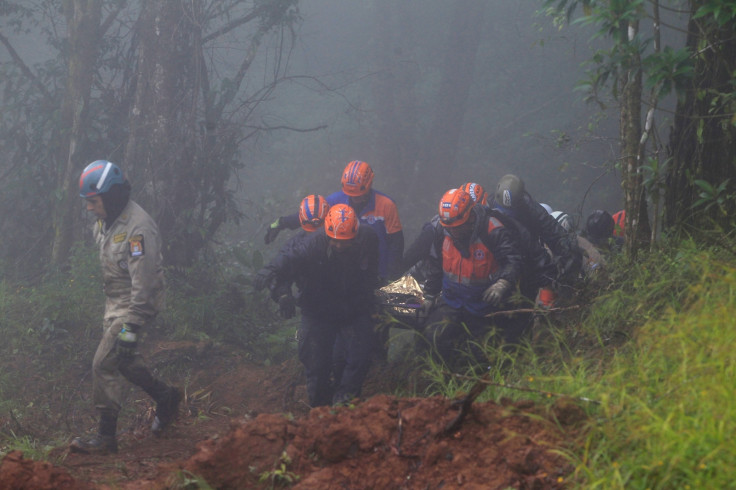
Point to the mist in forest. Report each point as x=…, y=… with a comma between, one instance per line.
x=217, y=144
x=389, y=63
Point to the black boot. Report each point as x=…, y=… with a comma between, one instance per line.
x=103, y=442
x=167, y=408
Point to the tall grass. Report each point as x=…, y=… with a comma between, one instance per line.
x=651, y=361
x=668, y=408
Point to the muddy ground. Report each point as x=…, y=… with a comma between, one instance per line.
x=245, y=425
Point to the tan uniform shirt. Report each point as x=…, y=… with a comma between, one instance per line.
x=132, y=271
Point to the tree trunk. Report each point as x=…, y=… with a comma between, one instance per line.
x=394, y=88
x=702, y=144
x=83, y=21
x=185, y=135
x=637, y=222
x=160, y=150
x=440, y=147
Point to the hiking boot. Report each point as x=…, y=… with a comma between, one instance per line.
x=166, y=410
x=97, y=444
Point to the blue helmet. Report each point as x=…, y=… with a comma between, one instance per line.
x=98, y=177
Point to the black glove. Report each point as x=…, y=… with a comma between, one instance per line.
x=568, y=267
x=496, y=292
x=127, y=341
x=273, y=231
x=287, y=306
x=263, y=279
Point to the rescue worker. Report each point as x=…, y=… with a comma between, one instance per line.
x=619, y=219
x=512, y=199
x=336, y=273
x=475, y=265
x=564, y=220
x=130, y=253
x=373, y=208
x=592, y=258
x=312, y=213
x=600, y=230
x=414, y=260
x=601, y=241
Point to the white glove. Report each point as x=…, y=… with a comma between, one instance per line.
x=496, y=292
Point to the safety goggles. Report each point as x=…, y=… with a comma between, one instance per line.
x=316, y=222
x=453, y=221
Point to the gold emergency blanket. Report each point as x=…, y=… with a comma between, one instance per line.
x=404, y=291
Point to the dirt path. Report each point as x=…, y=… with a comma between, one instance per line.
x=245, y=425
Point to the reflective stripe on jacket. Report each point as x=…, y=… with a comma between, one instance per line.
x=491, y=255
x=474, y=270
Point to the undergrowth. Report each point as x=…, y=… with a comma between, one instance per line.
x=650, y=360
x=648, y=356
x=51, y=328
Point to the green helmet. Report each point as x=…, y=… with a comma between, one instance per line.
x=509, y=191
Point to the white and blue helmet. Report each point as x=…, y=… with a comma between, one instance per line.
x=98, y=177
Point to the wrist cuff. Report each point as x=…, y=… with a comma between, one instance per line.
x=131, y=327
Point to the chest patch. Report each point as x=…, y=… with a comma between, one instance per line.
x=119, y=238
x=136, y=246
x=479, y=254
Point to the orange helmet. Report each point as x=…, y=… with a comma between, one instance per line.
x=341, y=222
x=357, y=178
x=312, y=212
x=455, y=207
x=476, y=191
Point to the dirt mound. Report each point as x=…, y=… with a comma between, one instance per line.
x=387, y=442
x=17, y=473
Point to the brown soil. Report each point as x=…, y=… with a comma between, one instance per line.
x=244, y=425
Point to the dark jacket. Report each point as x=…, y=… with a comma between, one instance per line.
x=538, y=268
x=379, y=213
x=415, y=256
x=331, y=285
x=543, y=227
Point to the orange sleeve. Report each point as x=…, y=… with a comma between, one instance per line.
x=390, y=215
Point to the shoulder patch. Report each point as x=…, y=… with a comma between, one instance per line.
x=120, y=237
x=136, y=246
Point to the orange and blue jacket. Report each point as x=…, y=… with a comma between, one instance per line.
x=465, y=270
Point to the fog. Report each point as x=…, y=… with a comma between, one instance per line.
x=431, y=93
x=522, y=113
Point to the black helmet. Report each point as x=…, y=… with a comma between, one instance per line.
x=509, y=191
x=599, y=226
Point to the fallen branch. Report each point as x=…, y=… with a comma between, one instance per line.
x=21, y=431
x=487, y=382
x=531, y=310
x=478, y=388
x=465, y=404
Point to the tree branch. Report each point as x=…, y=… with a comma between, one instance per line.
x=233, y=25
x=23, y=67
x=107, y=22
